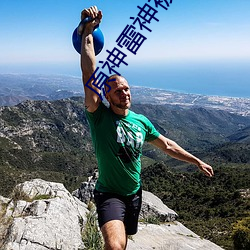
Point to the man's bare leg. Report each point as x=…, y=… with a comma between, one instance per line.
x=114, y=235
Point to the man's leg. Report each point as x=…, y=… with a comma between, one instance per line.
x=114, y=235
x=133, y=207
x=111, y=212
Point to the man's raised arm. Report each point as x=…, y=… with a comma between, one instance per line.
x=88, y=61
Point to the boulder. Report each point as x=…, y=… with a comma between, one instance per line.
x=152, y=206
x=85, y=192
x=43, y=215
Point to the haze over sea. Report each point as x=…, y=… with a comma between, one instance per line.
x=230, y=79
x=217, y=78
x=220, y=79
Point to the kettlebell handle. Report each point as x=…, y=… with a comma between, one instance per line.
x=84, y=22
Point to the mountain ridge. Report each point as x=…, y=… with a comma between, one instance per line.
x=54, y=135
x=51, y=140
x=16, y=88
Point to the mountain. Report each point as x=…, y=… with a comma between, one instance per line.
x=16, y=88
x=44, y=215
x=45, y=139
x=51, y=139
x=241, y=136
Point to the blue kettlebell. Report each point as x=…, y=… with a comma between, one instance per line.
x=98, y=38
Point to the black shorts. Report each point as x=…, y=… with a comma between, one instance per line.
x=116, y=207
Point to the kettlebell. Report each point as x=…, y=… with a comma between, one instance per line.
x=98, y=37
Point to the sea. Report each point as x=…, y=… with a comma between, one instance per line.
x=214, y=79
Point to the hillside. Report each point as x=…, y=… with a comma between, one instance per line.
x=45, y=139
x=51, y=140
x=16, y=88
x=209, y=207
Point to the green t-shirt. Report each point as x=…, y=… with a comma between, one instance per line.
x=118, y=144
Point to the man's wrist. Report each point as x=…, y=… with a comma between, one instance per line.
x=88, y=29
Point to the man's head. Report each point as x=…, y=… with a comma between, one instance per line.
x=119, y=96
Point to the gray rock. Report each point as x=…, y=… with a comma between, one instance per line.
x=85, y=192
x=152, y=206
x=169, y=236
x=46, y=216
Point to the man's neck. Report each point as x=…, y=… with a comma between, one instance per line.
x=119, y=111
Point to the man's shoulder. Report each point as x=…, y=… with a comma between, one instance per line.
x=101, y=107
x=138, y=116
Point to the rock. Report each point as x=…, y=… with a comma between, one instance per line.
x=169, y=236
x=85, y=192
x=44, y=215
x=152, y=206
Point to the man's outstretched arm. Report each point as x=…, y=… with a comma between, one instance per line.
x=88, y=61
x=174, y=150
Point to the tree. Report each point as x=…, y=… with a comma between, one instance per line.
x=241, y=234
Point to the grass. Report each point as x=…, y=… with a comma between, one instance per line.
x=151, y=219
x=5, y=223
x=91, y=235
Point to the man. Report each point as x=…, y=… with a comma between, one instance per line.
x=118, y=135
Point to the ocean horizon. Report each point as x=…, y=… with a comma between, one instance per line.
x=231, y=79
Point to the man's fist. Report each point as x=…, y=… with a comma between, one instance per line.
x=96, y=16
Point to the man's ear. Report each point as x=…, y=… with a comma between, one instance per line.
x=107, y=97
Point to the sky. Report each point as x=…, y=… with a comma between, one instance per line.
x=198, y=46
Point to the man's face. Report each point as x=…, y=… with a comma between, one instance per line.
x=119, y=96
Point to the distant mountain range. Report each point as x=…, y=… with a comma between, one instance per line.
x=15, y=88
x=44, y=134
x=51, y=139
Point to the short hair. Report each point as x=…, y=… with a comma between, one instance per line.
x=111, y=77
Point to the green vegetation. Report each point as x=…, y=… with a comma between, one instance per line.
x=5, y=222
x=241, y=234
x=91, y=235
x=51, y=141
x=151, y=220
x=20, y=195
x=208, y=206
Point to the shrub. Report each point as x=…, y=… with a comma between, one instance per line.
x=91, y=235
x=241, y=234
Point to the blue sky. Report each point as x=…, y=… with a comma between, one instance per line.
x=194, y=44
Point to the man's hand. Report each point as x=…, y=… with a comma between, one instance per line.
x=92, y=12
x=206, y=169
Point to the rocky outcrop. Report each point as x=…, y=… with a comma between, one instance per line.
x=85, y=192
x=168, y=236
x=152, y=206
x=43, y=215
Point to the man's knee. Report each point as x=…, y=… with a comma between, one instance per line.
x=114, y=235
x=115, y=245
